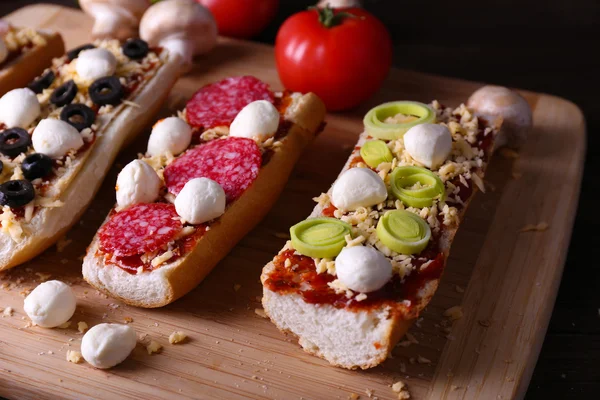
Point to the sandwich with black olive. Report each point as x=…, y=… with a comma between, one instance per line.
x=25, y=53
x=59, y=136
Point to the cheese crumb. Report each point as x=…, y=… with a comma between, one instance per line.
x=82, y=326
x=62, y=243
x=401, y=389
x=354, y=242
x=454, y=313
x=423, y=360
x=177, y=337
x=361, y=297
x=74, y=356
x=166, y=256
x=542, y=226
x=64, y=325
x=42, y=277
x=153, y=347
x=260, y=312
x=128, y=320
x=8, y=312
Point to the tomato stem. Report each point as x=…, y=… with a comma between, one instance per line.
x=328, y=18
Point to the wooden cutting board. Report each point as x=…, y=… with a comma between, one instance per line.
x=505, y=281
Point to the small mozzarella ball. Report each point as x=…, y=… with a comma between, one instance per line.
x=95, y=63
x=429, y=144
x=358, y=187
x=55, y=138
x=138, y=182
x=363, y=269
x=19, y=108
x=107, y=345
x=200, y=200
x=171, y=135
x=50, y=304
x=3, y=51
x=259, y=119
x=516, y=114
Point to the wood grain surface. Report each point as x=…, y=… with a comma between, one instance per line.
x=509, y=278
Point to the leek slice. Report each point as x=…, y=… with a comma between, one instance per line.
x=320, y=237
x=376, y=126
x=416, y=186
x=403, y=232
x=375, y=152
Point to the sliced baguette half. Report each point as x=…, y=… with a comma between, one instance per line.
x=78, y=189
x=353, y=337
x=24, y=68
x=172, y=280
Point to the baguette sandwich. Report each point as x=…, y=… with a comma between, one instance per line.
x=208, y=177
x=24, y=54
x=360, y=269
x=59, y=136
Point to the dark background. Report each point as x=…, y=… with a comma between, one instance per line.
x=549, y=46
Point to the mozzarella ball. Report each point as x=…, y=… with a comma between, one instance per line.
x=200, y=200
x=429, y=144
x=363, y=269
x=3, y=51
x=95, y=63
x=516, y=114
x=106, y=345
x=50, y=304
x=19, y=108
x=137, y=183
x=258, y=120
x=358, y=187
x=55, y=138
x=171, y=135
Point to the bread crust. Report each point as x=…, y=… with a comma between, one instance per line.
x=173, y=280
x=29, y=65
x=49, y=224
x=401, y=318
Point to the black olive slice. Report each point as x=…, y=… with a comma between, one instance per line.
x=14, y=141
x=36, y=165
x=135, y=48
x=73, y=54
x=43, y=82
x=16, y=193
x=107, y=90
x=1, y=166
x=78, y=116
x=64, y=94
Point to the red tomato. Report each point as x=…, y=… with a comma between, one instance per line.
x=344, y=63
x=241, y=18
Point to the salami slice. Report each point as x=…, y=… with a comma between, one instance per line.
x=139, y=229
x=217, y=104
x=232, y=162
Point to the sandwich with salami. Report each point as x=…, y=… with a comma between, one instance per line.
x=360, y=269
x=59, y=136
x=209, y=175
x=25, y=53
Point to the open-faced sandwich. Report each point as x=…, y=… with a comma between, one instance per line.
x=24, y=54
x=59, y=136
x=208, y=177
x=359, y=270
